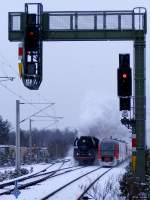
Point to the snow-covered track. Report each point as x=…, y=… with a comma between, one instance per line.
x=20, y=179
x=81, y=197
x=42, y=178
x=92, y=183
x=69, y=183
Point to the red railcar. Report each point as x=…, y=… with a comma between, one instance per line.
x=112, y=151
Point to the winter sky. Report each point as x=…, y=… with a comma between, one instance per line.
x=80, y=77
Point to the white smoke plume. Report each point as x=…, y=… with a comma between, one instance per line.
x=101, y=118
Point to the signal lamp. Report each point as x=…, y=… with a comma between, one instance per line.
x=124, y=76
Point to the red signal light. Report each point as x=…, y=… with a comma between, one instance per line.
x=124, y=75
x=31, y=33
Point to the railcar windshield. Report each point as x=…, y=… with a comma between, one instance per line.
x=107, y=146
x=2, y=150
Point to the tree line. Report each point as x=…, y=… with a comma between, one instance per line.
x=57, y=141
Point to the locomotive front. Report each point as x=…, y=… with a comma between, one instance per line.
x=109, y=152
x=112, y=152
x=85, y=149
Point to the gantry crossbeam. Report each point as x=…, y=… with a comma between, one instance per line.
x=83, y=25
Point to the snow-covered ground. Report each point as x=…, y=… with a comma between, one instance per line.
x=35, y=168
x=73, y=191
x=107, y=188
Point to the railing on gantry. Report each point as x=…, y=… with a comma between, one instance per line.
x=81, y=21
x=97, y=20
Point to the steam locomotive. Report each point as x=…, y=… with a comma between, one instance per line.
x=86, y=149
x=109, y=152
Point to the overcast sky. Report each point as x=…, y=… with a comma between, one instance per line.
x=80, y=77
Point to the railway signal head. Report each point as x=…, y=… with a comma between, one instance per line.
x=124, y=76
x=31, y=34
x=31, y=38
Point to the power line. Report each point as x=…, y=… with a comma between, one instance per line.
x=36, y=113
x=18, y=79
x=14, y=93
x=11, y=91
x=2, y=68
x=5, y=62
x=53, y=108
x=55, y=122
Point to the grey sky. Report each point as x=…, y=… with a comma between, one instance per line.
x=80, y=77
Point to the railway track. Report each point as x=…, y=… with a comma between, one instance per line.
x=11, y=182
x=19, y=179
x=81, y=197
x=81, y=189
x=69, y=183
x=38, y=178
x=57, y=185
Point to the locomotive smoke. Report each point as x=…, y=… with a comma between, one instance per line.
x=102, y=120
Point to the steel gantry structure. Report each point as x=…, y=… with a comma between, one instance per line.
x=99, y=26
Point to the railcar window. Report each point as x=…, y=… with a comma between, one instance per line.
x=2, y=150
x=107, y=146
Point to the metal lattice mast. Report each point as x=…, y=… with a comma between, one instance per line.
x=18, y=159
x=140, y=104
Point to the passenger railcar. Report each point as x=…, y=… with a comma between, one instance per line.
x=85, y=149
x=112, y=152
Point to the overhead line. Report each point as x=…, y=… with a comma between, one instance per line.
x=5, y=62
x=35, y=113
x=14, y=93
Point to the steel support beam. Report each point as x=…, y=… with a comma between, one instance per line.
x=18, y=159
x=30, y=135
x=140, y=104
x=89, y=35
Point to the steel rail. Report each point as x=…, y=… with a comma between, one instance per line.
x=85, y=191
x=26, y=178
x=62, y=187
x=19, y=179
x=11, y=182
x=50, y=175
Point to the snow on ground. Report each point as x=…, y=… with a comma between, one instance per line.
x=36, y=168
x=72, y=192
x=107, y=187
x=42, y=189
x=77, y=189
